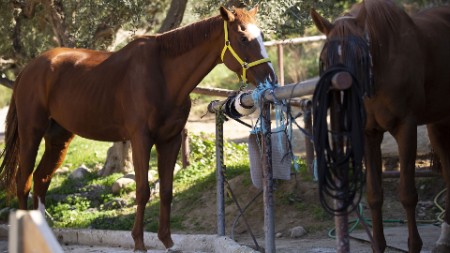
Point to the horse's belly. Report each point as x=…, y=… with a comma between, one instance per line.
x=92, y=127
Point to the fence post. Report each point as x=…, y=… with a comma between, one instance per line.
x=269, y=225
x=280, y=64
x=305, y=105
x=185, y=148
x=220, y=167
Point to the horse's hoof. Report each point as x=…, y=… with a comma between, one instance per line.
x=140, y=251
x=441, y=248
x=174, y=249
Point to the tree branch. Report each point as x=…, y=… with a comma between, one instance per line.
x=6, y=82
x=55, y=12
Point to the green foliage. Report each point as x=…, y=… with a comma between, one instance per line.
x=87, y=24
x=79, y=202
x=5, y=96
x=280, y=18
x=87, y=152
x=303, y=171
x=203, y=161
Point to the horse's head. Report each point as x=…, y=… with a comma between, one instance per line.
x=347, y=47
x=244, y=51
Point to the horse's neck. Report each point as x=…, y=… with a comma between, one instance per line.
x=185, y=71
x=390, y=30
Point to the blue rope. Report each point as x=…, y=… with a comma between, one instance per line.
x=281, y=120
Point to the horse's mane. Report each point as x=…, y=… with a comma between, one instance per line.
x=183, y=39
x=384, y=21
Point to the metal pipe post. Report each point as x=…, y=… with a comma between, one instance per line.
x=340, y=221
x=220, y=167
x=269, y=225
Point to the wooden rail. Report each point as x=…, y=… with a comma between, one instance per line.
x=29, y=233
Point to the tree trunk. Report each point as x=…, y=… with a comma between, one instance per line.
x=118, y=159
x=119, y=155
x=174, y=15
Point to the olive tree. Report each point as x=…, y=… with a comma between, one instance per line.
x=29, y=27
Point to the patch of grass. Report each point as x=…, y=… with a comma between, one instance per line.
x=303, y=170
x=203, y=162
x=114, y=220
x=87, y=152
x=319, y=213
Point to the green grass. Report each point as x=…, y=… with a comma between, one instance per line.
x=87, y=152
x=81, y=203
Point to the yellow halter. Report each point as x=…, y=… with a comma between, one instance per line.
x=245, y=65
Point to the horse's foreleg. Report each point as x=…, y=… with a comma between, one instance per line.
x=167, y=155
x=440, y=140
x=406, y=137
x=141, y=147
x=57, y=140
x=374, y=187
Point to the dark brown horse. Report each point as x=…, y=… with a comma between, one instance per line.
x=139, y=93
x=407, y=83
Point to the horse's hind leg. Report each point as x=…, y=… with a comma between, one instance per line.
x=57, y=140
x=440, y=140
x=31, y=134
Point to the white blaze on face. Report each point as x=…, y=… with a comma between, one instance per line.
x=255, y=33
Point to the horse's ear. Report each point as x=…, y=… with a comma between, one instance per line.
x=254, y=10
x=321, y=23
x=226, y=14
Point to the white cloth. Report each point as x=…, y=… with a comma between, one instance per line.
x=281, y=158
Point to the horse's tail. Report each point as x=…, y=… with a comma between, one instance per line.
x=10, y=155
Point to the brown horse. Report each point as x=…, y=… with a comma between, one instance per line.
x=407, y=83
x=139, y=93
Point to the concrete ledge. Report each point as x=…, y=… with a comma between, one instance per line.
x=123, y=239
